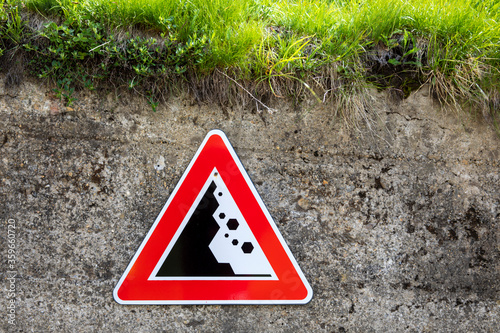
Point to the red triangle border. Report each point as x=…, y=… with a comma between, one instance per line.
x=291, y=286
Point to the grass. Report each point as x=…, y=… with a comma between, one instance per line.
x=283, y=48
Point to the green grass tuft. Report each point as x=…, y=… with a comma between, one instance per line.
x=320, y=46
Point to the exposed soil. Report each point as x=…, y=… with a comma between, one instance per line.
x=395, y=223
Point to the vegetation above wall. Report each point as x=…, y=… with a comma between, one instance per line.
x=263, y=49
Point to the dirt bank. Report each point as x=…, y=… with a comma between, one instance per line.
x=396, y=228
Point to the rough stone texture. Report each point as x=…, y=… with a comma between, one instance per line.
x=396, y=228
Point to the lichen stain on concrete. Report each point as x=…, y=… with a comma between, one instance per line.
x=396, y=228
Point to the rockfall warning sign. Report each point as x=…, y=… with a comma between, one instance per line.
x=214, y=242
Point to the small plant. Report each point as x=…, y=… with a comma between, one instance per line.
x=12, y=27
x=404, y=46
x=3, y=19
x=152, y=102
x=66, y=53
x=65, y=90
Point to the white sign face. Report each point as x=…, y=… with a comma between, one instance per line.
x=233, y=243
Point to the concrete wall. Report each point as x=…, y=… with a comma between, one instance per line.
x=396, y=228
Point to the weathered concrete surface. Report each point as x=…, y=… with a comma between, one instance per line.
x=396, y=229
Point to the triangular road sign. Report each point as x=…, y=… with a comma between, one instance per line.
x=214, y=242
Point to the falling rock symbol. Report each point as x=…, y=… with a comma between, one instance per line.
x=215, y=241
x=235, y=243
